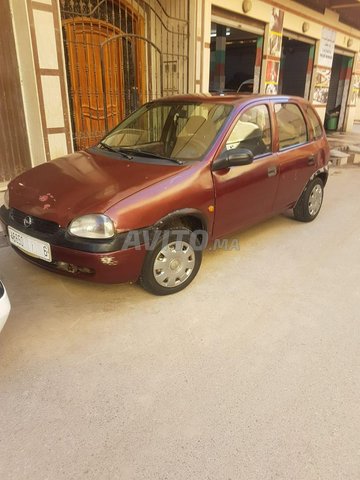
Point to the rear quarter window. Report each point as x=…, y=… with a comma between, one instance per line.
x=314, y=122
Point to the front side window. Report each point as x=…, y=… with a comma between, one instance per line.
x=181, y=131
x=252, y=131
x=291, y=124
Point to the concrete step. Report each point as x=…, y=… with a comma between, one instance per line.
x=338, y=157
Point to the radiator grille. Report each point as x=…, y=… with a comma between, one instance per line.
x=36, y=224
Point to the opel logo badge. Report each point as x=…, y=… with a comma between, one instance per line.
x=27, y=222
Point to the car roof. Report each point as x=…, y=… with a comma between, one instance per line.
x=232, y=99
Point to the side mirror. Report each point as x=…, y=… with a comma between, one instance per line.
x=243, y=156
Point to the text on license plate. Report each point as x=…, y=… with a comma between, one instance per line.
x=30, y=245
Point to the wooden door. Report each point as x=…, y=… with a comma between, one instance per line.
x=83, y=40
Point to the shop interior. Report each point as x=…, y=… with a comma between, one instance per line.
x=294, y=64
x=235, y=57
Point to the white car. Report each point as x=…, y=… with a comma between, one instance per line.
x=4, y=306
x=247, y=86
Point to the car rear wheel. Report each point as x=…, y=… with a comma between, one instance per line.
x=309, y=204
x=172, y=263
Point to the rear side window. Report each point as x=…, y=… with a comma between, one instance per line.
x=315, y=123
x=291, y=123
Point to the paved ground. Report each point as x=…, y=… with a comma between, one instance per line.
x=251, y=373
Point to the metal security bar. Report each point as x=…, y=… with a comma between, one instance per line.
x=119, y=55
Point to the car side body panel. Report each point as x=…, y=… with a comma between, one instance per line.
x=294, y=173
x=191, y=189
x=245, y=195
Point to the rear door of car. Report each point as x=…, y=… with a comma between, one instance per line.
x=297, y=152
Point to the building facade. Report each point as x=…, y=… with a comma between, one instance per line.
x=72, y=69
x=284, y=47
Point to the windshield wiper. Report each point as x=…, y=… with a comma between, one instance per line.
x=116, y=150
x=145, y=153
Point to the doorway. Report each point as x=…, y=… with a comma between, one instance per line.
x=339, y=90
x=294, y=68
x=235, y=59
x=99, y=102
x=120, y=54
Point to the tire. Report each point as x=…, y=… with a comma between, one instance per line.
x=173, y=262
x=309, y=204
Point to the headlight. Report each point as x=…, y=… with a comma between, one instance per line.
x=92, y=226
x=6, y=199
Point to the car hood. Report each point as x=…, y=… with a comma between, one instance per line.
x=81, y=183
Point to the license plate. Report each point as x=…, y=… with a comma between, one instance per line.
x=31, y=246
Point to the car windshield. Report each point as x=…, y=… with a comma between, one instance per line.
x=176, y=131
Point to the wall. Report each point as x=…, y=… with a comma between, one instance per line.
x=199, y=51
x=39, y=50
x=28, y=81
x=49, y=67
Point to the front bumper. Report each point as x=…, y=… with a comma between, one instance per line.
x=98, y=261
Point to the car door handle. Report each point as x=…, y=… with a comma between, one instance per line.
x=272, y=171
x=311, y=160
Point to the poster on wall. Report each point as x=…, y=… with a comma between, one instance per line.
x=271, y=77
x=355, y=94
x=275, y=42
x=276, y=28
x=322, y=83
x=356, y=90
x=327, y=47
x=323, y=70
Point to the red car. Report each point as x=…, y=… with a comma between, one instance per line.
x=175, y=175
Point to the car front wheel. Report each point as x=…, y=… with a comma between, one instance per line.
x=172, y=263
x=309, y=204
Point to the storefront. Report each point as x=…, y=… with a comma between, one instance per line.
x=289, y=49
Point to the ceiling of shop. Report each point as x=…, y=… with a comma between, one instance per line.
x=234, y=34
x=349, y=10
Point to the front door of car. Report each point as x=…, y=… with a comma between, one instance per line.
x=245, y=194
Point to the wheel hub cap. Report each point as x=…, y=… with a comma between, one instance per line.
x=315, y=200
x=174, y=264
